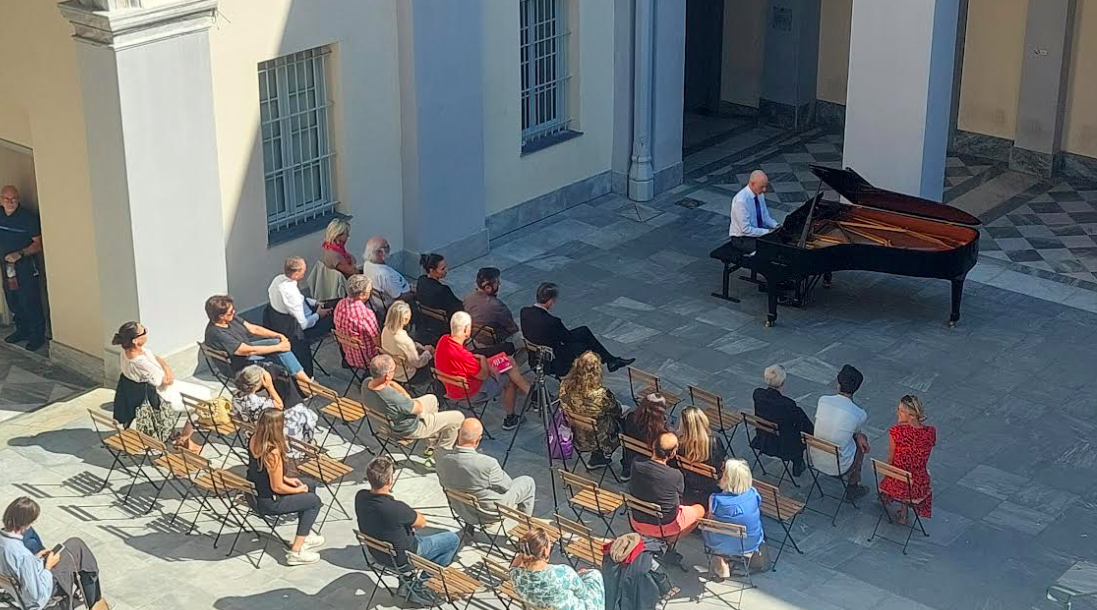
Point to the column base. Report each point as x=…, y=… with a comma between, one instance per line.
x=1032, y=162
x=80, y=362
x=787, y=116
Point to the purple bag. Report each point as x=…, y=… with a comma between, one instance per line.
x=559, y=438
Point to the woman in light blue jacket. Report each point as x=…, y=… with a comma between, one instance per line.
x=738, y=503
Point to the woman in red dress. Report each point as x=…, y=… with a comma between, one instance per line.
x=910, y=444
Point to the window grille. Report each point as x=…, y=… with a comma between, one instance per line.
x=543, y=42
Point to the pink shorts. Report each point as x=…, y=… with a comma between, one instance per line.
x=685, y=519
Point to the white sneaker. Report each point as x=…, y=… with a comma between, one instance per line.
x=313, y=541
x=302, y=557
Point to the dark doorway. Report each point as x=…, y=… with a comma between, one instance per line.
x=704, y=55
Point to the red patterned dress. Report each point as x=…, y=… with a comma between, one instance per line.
x=912, y=448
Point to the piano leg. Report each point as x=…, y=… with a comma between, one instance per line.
x=725, y=293
x=957, y=294
x=772, y=291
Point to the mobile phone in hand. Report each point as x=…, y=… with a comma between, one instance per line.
x=57, y=549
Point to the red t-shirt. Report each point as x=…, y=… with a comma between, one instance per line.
x=452, y=358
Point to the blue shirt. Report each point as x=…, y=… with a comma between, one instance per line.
x=744, y=509
x=16, y=561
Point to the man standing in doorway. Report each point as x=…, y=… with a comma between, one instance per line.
x=750, y=217
x=20, y=241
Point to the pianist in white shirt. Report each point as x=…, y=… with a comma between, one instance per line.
x=750, y=217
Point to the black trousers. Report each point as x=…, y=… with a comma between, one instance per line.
x=306, y=505
x=582, y=340
x=25, y=303
x=746, y=245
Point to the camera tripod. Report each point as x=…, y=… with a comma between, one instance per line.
x=540, y=400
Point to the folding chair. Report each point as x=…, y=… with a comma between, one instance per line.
x=13, y=587
x=698, y=468
x=200, y=414
x=580, y=544
x=654, y=511
x=884, y=470
x=188, y=467
x=633, y=445
x=219, y=364
x=449, y=584
x=502, y=586
x=174, y=467
x=587, y=497
x=380, y=303
x=765, y=426
x=239, y=500
x=127, y=449
x=781, y=509
x=830, y=450
x=351, y=415
x=719, y=419
x=483, y=335
x=588, y=425
x=352, y=344
x=325, y=470
x=730, y=530
x=415, y=389
x=524, y=523
x=649, y=382
x=371, y=546
x=381, y=427
x=460, y=382
x=486, y=521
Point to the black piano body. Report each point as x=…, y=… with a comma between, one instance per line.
x=877, y=230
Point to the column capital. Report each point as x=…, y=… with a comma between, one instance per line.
x=120, y=24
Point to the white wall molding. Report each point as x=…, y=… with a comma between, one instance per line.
x=121, y=24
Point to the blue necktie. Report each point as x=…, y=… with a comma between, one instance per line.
x=757, y=212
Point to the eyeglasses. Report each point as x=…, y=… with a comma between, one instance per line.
x=144, y=331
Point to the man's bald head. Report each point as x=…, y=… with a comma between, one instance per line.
x=471, y=432
x=377, y=250
x=9, y=198
x=758, y=182
x=666, y=445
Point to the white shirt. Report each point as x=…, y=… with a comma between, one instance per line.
x=285, y=297
x=744, y=221
x=385, y=279
x=837, y=419
x=145, y=368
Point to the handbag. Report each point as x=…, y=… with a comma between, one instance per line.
x=221, y=410
x=560, y=438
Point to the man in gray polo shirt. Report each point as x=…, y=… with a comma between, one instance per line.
x=411, y=418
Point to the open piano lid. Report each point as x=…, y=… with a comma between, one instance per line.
x=858, y=191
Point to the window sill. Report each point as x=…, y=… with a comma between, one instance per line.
x=548, y=141
x=314, y=225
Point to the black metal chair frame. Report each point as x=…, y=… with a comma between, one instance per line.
x=669, y=542
x=467, y=400
x=713, y=404
x=348, y=343
x=577, y=484
x=907, y=478
x=568, y=531
x=719, y=528
x=753, y=421
x=327, y=470
x=571, y=417
x=816, y=473
x=379, y=569
x=781, y=520
x=485, y=521
x=215, y=360
x=132, y=450
x=380, y=426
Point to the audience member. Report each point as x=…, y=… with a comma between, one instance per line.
x=245, y=342
x=410, y=356
x=386, y=280
x=280, y=494
x=700, y=445
x=750, y=217
x=553, y=587
x=644, y=423
x=385, y=518
x=910, y=442
x=737, y=503
x=656, y=482
x=583, y=393
x=484, y=384
x=839, y=420
x=633, y=579
x=431, y=292
x=139, y=365
x=487, y=309
x=248, y=404
x=411, y=418
x=465, y=469
x=294, y=315
x=545, y=329
x=334, y=253
x=771, y=405
x=20, y=243
x=43, y=574
x=355, y=318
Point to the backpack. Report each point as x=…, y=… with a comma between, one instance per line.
x=560, y=443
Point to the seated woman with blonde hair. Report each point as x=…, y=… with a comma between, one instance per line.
x=411, y=357
x=910, y=443
x=737, y=503
x=582, y=393
x=698, y=444
x=553, y=587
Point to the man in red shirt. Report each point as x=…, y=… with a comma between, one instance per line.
x=484, y=384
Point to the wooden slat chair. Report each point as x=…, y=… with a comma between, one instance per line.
x=720, y=419
x=13, y=587
x=415, y=389
x=781, y=509
x=450, y=585
x=318, y=392
x=654, y=511
x=219, y=364
x=642, y=383
x=523, y=523
x=349, y=414
x=760, y=425
x=587, y=497
x=379, y=302
x=381, y=427
x=352, y=344
x=187, y=467
x=431, y=323
x=697, y=468
x=588, y=425
x=200, y=413
x=330, y=473
x=578, y=544
x=463, y=403
x=371, y=546
x=461, y=504
x=127, y=448
x=238, y=497
x=173, y=467
x=483, y=335
x=502, y=586
x=729, y=530
x=882, y=470
x=635, y=447
x=831, y=451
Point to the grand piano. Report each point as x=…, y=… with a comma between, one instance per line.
x=877, y=230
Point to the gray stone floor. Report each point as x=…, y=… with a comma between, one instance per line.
x=29, y=381
x=1010, y=391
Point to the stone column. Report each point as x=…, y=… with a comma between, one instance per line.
x=900, y=93
x=1041, y=102
x=791, y=64
x=641, y=176
x=441, y=91
x=152, y=160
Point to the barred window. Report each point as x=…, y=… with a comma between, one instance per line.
x=543, y=41
x=297, y=149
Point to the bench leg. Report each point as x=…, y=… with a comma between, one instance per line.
x=725, y=292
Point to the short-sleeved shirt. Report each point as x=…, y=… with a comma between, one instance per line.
x=354, y=318
x=229, y=339
x=384, y=517
x=394, y=404
x=386, y=279
x=837, y=419
x=487, y=310
x=452, y=358
x=17, y=230
x=659, y=484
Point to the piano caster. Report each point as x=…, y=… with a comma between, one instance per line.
x=952, y=323
x=826, y=280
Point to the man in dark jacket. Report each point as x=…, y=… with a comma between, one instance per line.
x=771, y=405
x=632, y=578
x=544, y=329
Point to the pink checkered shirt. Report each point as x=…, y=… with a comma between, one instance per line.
x=354, y=318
